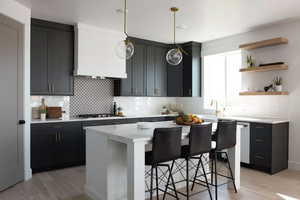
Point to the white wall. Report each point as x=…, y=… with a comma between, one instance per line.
x=265, y=106
x=21, y=14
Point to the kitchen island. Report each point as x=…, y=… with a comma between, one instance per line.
x=115, y=157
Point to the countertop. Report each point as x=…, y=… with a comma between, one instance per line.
x=255, y=119
x=37, y=121
x=126, y=133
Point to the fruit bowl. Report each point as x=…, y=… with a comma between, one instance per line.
x=188, y=120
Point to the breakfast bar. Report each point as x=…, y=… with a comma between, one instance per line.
x=115, y=159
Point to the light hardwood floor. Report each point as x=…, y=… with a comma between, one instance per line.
x=68, y=184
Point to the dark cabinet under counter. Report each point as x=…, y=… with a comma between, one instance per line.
x=269, y=146
x=57, y=145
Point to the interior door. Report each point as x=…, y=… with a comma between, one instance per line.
x=10, y=137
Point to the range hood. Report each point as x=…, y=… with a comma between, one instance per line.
x=95, y=52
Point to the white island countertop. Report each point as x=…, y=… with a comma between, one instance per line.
x=264, y=120
x=131, y=133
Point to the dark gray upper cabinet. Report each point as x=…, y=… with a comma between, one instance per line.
x=146, y=71
x=52, y=58
x=185, y=78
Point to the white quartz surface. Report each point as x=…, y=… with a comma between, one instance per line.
x=256, y=119
x=36, y=121
x=131, y=133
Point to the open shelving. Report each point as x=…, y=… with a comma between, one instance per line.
x=263, y=93
x=264, y=43
x=265, y=68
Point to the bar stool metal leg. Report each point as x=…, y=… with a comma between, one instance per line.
x=187, y=180
x=231, y=174
x=195, y=177
x=151, y=184
x=172, y=179
x=156, y=178
x=216, y=176
x=205, y=178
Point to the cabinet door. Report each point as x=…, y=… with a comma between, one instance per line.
x=156, y=71
x=160, y=72
x=39, y=78
x=138, y=70
x=71, y=149
x=60, y=61
x=175, y=80
x=43, y=147
x=150, y=71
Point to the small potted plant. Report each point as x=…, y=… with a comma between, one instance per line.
x=278, y=83
x=250, y=61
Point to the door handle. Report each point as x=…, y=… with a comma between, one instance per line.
x=22, y=122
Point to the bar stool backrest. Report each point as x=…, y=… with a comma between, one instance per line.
x=166, y=144
x=226, y=134
x=200, y=139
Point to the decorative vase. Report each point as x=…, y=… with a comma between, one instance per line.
x=43, y=116
x=278, y=88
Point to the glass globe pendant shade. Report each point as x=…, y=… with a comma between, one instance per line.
x=125, y=49
x=174, y=56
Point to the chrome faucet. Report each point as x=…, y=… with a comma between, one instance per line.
x=216, y=104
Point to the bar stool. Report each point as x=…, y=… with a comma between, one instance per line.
x=166, y=146
x=199, y=144
x=224, y=138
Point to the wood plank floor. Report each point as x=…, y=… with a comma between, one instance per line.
x=68, y=184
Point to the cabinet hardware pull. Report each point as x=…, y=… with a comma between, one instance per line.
x=52, y=88
x=56, y=136
x=62, y=136
x=259, y=140
x=259, y=127
x=260, y=157
x=190, y=91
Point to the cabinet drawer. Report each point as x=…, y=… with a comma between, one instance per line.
x=261, y=159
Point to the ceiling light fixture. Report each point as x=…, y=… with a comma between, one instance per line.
x=125, y=48
x=174, y=56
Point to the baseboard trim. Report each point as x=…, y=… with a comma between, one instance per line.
x=294, y=165
x=92, y=193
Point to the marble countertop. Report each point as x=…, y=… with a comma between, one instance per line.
x=131, y=133
x=37, y=121
x=256, y=119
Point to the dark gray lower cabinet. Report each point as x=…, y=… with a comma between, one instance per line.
x=57, y=145
x=60, y=145
x=269, y=146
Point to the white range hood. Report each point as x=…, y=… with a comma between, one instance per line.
x=95, y=52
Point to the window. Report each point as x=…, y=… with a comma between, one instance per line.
x=222, y=79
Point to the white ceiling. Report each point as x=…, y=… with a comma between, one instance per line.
x=151, y=19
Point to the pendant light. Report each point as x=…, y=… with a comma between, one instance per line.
x=125, y=48
x=174, y=56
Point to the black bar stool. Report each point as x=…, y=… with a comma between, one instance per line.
x=224, y=138
x=199, y=143
x=166, y=146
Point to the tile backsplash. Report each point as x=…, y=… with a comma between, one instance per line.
x=91, y=96
x=143, y=105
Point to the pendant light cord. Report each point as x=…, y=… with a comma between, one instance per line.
x=174, y=28
x=125, y=18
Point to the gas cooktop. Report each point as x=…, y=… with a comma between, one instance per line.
x=101, y=115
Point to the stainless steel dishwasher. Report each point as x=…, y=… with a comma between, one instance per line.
x=245, y=142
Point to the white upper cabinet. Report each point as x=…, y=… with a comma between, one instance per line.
x=95, y=52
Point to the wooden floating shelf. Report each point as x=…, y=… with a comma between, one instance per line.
x=265, y=68
x=264, y=43
x=263, y=93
